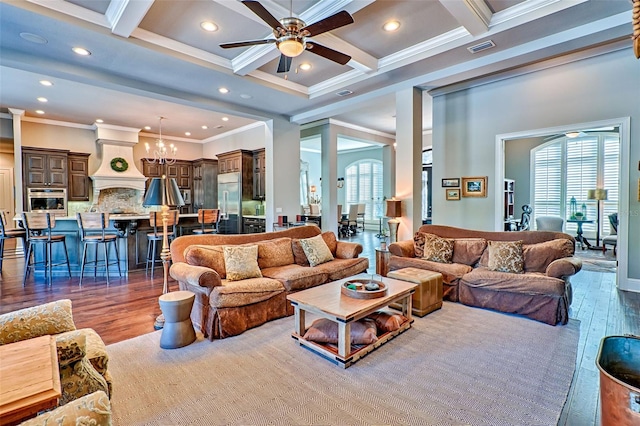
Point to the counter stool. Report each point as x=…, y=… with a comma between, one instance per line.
x=7, y=233
x=96, y=224
x=208, y=217
x=178, y=330
x=39, y=227
x=155, y=220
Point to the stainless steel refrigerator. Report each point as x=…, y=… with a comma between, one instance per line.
x=229, y=203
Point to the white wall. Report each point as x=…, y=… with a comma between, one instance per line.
x=251, y=139
x=466, y=124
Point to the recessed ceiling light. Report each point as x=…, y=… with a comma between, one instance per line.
x=147, y=127
x=34, y=38
x=187, y=133
x=205, y=127
x=391, y=26
x=39, y=111
x=209, y=26
x=223, y=90
x=46, y=83
x=225, y=118
x=41, y=99
x=81, y=51
x=305, y=67
x=99, y=120
x=245, y=96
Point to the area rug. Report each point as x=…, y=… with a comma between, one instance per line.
x=595, y=260
x=458, y=365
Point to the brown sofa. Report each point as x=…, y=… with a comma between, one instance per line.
x=542, y=292
x=226, y=308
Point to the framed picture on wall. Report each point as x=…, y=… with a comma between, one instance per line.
x=453, y=194
x=451, y=182
x=474, y=186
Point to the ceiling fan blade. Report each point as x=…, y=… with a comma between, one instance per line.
x=246, y=43
x=338, y=20
x=263, y=13
x=330, y=54
x=285, y=63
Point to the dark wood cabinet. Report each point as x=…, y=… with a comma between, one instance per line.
x=259, y=169
x=44, y=168
x=181, y=170
x=205, y=184
x=79, y=183
x=239, y=161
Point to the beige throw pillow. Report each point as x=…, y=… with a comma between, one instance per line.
x=506, y=256
x=437, y=249
x=363, y=332
x=316, y=250
x=241, y=262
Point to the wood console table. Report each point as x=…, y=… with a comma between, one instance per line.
x=29, y=378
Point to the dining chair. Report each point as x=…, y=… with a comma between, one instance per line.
x=93, y=232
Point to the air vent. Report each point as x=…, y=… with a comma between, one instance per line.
x=481, y=46
x=344, y=93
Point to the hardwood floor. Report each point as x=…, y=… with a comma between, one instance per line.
x=128, y=306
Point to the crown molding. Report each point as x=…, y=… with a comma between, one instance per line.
x=58, y=123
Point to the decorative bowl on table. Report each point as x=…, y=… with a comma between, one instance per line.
x=363, y=289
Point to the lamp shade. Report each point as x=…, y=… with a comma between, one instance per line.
x=393, y=208
x=597, y=194
x=160, y=193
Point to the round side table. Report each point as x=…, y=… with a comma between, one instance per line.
x=178, y=330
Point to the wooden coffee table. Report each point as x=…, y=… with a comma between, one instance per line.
x=29, y=378
x=327, y=301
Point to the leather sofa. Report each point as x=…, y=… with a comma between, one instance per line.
x=82, y=355
x=542, y=292
x=224, y=308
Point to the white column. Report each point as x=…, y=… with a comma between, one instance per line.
x=409, y=160
x=18, y=179
x=329, y=143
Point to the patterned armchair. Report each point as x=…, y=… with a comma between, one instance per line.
x=93, y=409
x=82, y=355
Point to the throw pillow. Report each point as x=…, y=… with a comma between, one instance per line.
x=386, y=322
x=437, y=249
x=538, y=256
x=241, y=262
x=276, y=252
x=418, y=244
x=468, y=251
x=363, y=332
x=208, y=256
x=316, y=250
x=506, y=256
x=298, y=253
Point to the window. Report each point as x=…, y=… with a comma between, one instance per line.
x=363, y=185
x=568, y=168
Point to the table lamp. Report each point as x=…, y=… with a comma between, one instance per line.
x=598, y=194
x=163, y=192
x=393, y=212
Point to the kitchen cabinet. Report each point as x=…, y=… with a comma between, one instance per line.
x=181, y=172
x=259, y=170
x=239, y=161
x=205, y=184
x=253, y=225
x=44, y=168
x=78, y=165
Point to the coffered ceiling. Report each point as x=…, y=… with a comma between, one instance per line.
x=152, y=58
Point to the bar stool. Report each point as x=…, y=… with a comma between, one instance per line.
x=7, y=233
x=208, y=217
x=155, y=220
x=38, y=227
x=96, y=224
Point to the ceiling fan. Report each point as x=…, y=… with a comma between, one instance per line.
x=292, y=35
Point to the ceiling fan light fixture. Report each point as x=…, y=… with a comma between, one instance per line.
x=291, y=47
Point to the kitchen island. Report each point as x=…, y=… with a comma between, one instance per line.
x=132, y=230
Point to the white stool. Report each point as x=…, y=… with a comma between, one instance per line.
x=178, y=330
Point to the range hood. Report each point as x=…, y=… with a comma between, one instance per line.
x=116, y=142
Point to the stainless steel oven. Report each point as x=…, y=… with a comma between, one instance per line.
x=52, y=200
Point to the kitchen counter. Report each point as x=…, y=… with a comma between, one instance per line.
x=249, y=216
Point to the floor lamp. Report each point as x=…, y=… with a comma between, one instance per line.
x=393, y=212
x=165, y=193
x=599, y=195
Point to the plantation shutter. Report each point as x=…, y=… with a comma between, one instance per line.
x=547, y=180
x=364, y=185
x=611, y=179
x=582, y=175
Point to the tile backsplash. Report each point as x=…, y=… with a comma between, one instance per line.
x=112, y=200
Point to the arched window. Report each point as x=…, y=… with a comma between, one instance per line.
x=363, y=185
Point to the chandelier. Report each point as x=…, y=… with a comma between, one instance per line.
x=161, y=153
